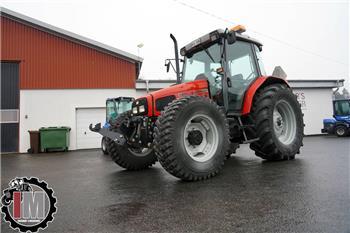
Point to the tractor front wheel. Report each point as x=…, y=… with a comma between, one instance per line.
x=279, y=123
x=192, y=138
x=126, y=156
x=340, y=131
x=104, y=145
x=131, y=159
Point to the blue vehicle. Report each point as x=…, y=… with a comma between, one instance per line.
x=114, y=107
x=340, y=123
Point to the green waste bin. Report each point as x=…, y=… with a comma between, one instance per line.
x=54, y=138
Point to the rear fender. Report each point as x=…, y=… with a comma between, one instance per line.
x=260, y=82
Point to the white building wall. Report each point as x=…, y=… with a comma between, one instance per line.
x=43, y=108
x=316, y=105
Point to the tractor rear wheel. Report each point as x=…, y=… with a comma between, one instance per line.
x=279, y=123
x=192, y=138
x=126, y=156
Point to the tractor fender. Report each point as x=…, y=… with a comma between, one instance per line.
x=337, y=123
x=254, y=87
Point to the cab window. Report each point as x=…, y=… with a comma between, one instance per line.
x=342, y=108
x=111, y=113
x=260, y=61
x=242, y=72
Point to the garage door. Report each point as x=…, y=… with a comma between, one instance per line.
x=85, y=138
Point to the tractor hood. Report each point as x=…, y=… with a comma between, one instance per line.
x=155, y=102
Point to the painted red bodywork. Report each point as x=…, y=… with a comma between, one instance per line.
x=250, y=93
x=197, y=87
x=200, y=88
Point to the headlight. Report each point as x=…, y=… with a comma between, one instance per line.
x=142, y=108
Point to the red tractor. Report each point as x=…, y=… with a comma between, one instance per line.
x=222, y=98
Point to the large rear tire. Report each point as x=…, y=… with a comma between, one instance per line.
x=192, y=138
x=279, y=123
x=128, y=157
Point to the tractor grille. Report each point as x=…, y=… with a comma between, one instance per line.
x=164, y=101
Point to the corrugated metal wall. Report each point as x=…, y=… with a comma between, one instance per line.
x=50, y=62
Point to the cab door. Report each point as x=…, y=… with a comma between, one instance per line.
x=242, y=71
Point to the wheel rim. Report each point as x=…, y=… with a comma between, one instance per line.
x=104, y=145
x=201, y=138
x=340, y=131
x=284, y=122
x=140, y=152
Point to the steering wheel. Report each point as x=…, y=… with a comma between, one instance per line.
x=249, y=78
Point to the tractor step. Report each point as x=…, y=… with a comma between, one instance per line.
x=247, y=126
x=250, y=140
x=243, y=127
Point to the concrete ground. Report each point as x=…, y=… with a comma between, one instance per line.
x=309, y=194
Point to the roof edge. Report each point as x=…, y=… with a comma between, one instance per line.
x=151, y=84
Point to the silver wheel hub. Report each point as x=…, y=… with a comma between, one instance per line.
x=140, y=152
x=201, y=138
x=341, y=131
x=284, y=122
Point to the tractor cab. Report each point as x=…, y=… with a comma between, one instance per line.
x=340, y=123
x=116, y=106
x=341, y=110
x=229, y=61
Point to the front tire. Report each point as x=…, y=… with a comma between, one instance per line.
x=279, y=123
x=126, y=156
x=104, y=145
x=131, y=159
x=340, y=131
x=192, y=138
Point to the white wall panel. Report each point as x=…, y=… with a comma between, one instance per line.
x=316, y=105
x=43, y=108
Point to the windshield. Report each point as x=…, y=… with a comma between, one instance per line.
x=203, y=64
x=111, y=112
x=342, y=107
x=115, y=108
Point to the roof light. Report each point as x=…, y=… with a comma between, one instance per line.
x=239, y=29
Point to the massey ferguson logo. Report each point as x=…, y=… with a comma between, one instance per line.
x=28, y=204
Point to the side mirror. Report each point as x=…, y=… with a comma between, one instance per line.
x=167, y=64
x=220, y=71
x=231, y=37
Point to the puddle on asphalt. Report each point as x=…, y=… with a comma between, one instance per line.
x=121, y=212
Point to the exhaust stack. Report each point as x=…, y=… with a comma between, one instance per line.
x=177, y=62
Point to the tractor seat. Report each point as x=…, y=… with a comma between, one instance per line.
x=201, y=77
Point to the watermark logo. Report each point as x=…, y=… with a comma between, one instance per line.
x=28, y=204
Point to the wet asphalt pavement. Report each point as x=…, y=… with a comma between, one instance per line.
x=309, y=194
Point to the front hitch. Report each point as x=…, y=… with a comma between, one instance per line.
x=106, y=132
